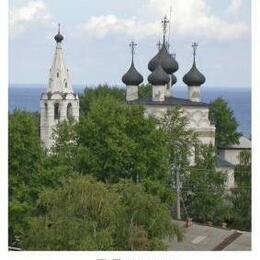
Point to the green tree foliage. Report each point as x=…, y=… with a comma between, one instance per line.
x=145, y=90
x=180, y=139
x=116, y=141
x=90, y=95
x=84, y=214
x=203, y=188
x=240, y=215
x=25, y=157
x=225, y=122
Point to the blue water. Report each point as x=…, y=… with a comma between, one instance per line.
x=27, y=97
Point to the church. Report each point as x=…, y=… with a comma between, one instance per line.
x=59, y=102
x=162, y=67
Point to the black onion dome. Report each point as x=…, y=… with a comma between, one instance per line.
x=59, y=37
x=168, y=62
x=194, y=77
x=132, y=77
x=158, y=77
x=174, y=79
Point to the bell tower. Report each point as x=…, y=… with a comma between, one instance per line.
x=59, y=102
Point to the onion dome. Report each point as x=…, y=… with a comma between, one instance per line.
x=173, y=79
x=158, y=77
x=132, y=76
x=59, y=37
x=168, y=62
x=194, y=77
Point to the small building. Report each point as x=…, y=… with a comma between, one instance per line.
x=232, y=152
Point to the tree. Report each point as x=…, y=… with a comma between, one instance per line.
x=240, y=214
x=25, y=157
x=65, y=148
x=145, y=90
x=117, y=141
x=180, y=139
x=84, y=214
x=225, y=122
x=203, y=188
x=90, y=95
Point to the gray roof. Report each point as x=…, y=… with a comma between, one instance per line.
x=169, y=101
x=223, y=163
x=158, y=77
x=132, y=76
x=168, y=62
x=207, y=238
x=244, y=143
x=194, y=77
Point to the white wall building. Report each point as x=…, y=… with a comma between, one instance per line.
x=59, y=102
x=231, y=153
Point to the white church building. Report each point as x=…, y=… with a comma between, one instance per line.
x=163, y=66
x=59, y=102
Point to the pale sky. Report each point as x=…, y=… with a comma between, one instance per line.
x=97, y=35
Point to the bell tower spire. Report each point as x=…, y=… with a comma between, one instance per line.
x=59, y=79
x=59, y=102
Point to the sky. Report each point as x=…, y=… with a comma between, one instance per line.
x=97, y=36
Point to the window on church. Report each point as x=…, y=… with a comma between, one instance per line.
x=58, y=74
x=56, y=111
x=66, y=84
x=69, y=111
x=46, y=109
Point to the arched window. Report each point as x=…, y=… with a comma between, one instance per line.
x=69, y=111
x=66, y=84
x=58, y=74
x=56, y=111
x=46, y=109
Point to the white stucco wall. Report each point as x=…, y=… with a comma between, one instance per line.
x=131, y=93
x=198, y=118
x=230, y=155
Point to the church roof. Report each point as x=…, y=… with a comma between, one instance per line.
x=174, y=79
x=169, y=101
x=244, y=144
x=132, y=76
x=163, y=57
x=158, y=77
x=59, y=37
x=194, y=77
x=59, y=78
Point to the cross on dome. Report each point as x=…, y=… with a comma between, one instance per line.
x=195, y=46
x=159, y=45
x=165, y=21
x=132, y=46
